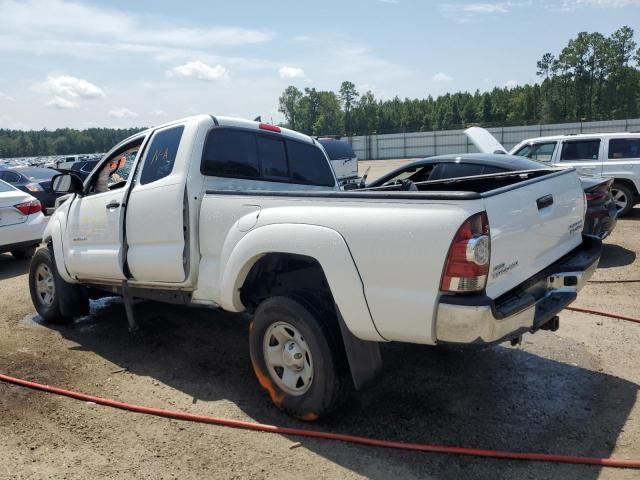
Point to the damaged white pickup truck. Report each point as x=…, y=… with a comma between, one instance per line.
x=246, y=216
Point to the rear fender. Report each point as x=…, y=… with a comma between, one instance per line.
x=323, y=244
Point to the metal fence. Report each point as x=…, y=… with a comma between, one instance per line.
x=425, y=144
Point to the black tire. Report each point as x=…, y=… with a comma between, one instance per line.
x=67, y=300
x=330, y=386
x=623, y=191
x=24, y=253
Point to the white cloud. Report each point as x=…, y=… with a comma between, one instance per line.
x=61, y=103
x=63, y=28
x=70, y=87
x=199, y=70
x=291, y=72
x=468, y=12
x=8, y=98
x=570, y=5
x=61, y=18
x=511, y=84
x=441, y=77
x=359, y=60
x=159, y=113
x=122, y=113
x=474, y=7
x=391, y=2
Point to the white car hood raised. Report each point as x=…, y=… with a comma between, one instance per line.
x=484, y=141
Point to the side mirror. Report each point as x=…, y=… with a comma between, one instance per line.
x=67, y=183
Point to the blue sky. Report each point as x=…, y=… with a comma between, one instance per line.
x=139, y=63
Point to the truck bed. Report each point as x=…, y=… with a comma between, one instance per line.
x=463, y=188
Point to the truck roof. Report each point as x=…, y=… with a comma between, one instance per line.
x=227, y=121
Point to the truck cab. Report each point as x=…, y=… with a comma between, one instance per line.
x=236, y=154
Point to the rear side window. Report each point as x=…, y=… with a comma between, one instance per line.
x=337, y=149
x=455, y=170
x=88, y=166
x=10, y=177
x=308, y=165
x=580, y=150
x=161, y=154
x=245, y=154
x=624, y=148
x=273, y=156
x=542, y=152
x=231, y=153
x=489, y=169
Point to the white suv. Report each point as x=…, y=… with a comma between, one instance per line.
x=615, y=155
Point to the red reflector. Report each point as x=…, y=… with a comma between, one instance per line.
x=271, y=128
x=28, y=208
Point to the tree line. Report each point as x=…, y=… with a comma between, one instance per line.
x=63, y=141
x=593, y=78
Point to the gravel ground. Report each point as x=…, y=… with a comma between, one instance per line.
x=573, y=392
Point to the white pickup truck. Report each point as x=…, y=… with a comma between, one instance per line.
x=245, y=216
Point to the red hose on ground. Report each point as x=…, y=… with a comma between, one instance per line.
x=422, y=447
x=604, y=314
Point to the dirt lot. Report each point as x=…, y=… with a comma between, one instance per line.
x=572, y=392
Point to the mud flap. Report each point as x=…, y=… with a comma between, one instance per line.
x=365, y=360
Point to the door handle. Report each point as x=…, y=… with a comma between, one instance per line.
x=544, y=202
x=113, y=204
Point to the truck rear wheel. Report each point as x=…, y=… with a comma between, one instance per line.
x=55, y=300
x=298, y=356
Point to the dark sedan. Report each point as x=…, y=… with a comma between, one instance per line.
x=601, y=210
x=82, y=168
x=33, y=180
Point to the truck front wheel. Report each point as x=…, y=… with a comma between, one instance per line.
x=298, y=356
x=55, y=300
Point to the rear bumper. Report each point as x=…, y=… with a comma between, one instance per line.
x=478, y=319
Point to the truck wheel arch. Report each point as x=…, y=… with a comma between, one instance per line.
x=53, y=235
x=323, y=245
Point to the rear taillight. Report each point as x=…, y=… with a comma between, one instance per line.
x=469, y=255
x=28, y=208
x=593, y=196
x=34, y=187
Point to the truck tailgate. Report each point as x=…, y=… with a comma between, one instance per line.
x=532, y=225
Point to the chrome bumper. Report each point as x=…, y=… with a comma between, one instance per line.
x=481, y=320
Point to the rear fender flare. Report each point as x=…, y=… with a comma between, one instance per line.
x=323, y=244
